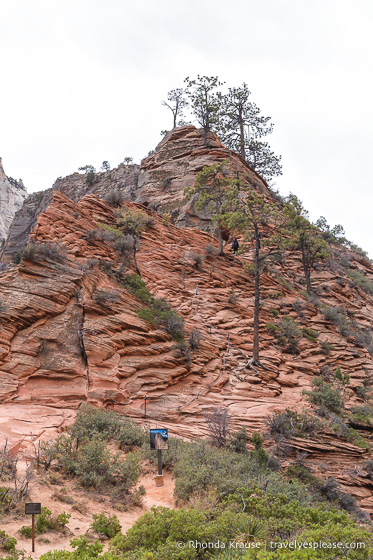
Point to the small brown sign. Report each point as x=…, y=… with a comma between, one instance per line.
x=33, y=509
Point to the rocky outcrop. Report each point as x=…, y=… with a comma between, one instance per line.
x=174, y=166
x=12, y=195
x=71, y=333
x=123, y=179
x=159, y=181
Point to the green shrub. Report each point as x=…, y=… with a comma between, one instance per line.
x=239, y=441
x=7, y=543
x=289, y=423
x=137, y=287
x=46, y=522
x=337, y=316
x=326, y=347
x=325, y=395
x=158, y=311
x=359, y=279
x=107, y=526
x=272, y=328
x=363, y=414
x=287, y=333
x=36, y=252
x=310, y=334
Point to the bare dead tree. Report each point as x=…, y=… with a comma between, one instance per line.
x=218, y=422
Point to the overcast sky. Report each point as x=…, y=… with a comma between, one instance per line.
x=82, y=81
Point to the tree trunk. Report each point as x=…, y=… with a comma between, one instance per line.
x=255, y=359
x=217, y=210
x=306, y=269
x=134, y=258
x=242, y=135
x=220, y=239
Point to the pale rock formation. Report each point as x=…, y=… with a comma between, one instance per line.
x=12, y=195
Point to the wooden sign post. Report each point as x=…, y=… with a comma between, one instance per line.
x=159, y=441
x=33, y=509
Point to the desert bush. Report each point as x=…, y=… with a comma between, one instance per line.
x=106, y=526
x=337, y=316
x=137, y=287
x=359, y=279
x=92, y=263
x=272, y=328
x=196, y=258
x=47, y=522
x=233, y=297
x=160, y=529
x=363, y=414
x=133, y=221
x=239, y=441
x=3, y=307
x=326, y=347
x=310, y=334
x=36, y=252
x=124, y=245
x=210, y=249
x=299, y=307
x=7, y=543
x=114, y=198
x=106, y=298
x=195, y=339
x=325, y=395
x=289, y=423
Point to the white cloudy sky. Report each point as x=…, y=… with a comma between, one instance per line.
x=82, y=81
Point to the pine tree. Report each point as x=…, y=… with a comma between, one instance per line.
x=204, y=101
x=251, y=215
x=241, y=128
x=304, y=236
x=210, y=190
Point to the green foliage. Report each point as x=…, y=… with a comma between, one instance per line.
x=204, y=102
x=337, y=316
x=37, y=252
x=326, y=347
x=137, y=287
x=344, y=378
x=241, y=129
x=287, y=333
x=107, y=526
x=359, y=279
x=325, y=395
x=210, y=193
x=7, y=543
x=133, y=221
x=304, y=237
x=83, y=452
x=310, y=334
x=158, y=312
x=239, y=441
x=90, y=174
x=290, y=423
x=363, y=414
x=47, y=522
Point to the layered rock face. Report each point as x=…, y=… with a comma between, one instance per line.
x=12, y=195
x=71, y=333
x=159, y=181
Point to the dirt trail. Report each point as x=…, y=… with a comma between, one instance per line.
x=79, y=522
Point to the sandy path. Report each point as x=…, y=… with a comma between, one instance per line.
x=79, y=523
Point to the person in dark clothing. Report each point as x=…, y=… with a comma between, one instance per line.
x=235, y=245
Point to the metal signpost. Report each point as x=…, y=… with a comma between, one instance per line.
x=159, y=441
x=33, y=509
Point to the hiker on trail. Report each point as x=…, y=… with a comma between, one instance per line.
x=235, y=246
